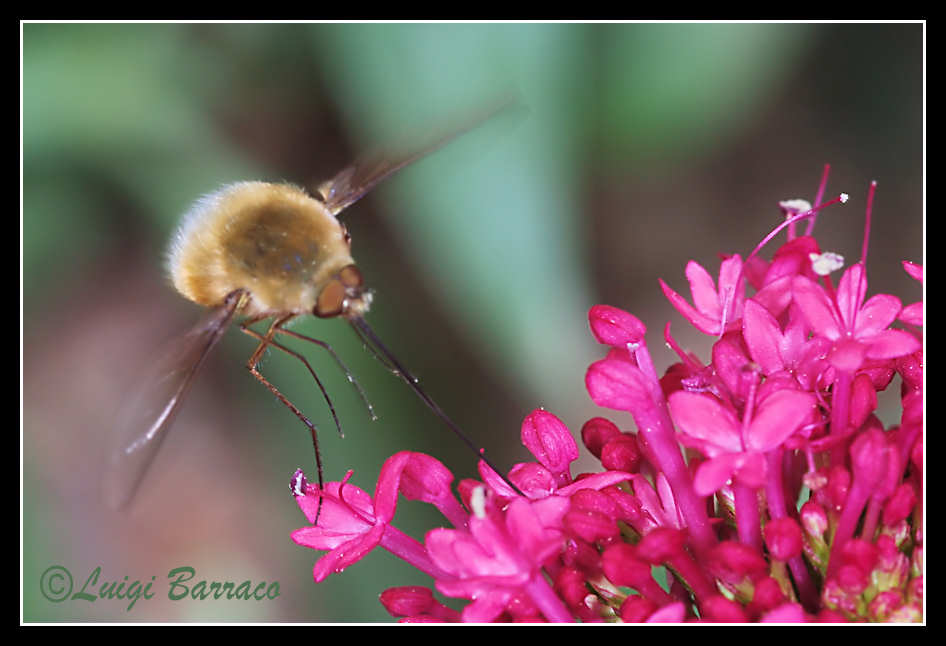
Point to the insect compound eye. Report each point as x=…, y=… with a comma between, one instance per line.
x=331, y=301
x=351, y=277
x=344, y=290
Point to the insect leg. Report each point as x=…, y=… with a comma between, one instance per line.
x=252, y=366
x=344, y=368
x=267, y=340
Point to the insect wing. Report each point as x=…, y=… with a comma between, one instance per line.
x=355, y=181
x=145, y=416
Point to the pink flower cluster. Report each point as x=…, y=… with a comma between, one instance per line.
x=759, y=486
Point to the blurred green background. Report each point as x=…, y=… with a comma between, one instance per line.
x=646, y=145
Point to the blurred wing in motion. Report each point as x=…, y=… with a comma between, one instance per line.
x=146, y=414
x=355, y=181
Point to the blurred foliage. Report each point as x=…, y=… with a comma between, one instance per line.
x=675, y=90
x=489, y=244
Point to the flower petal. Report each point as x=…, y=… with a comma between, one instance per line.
x=751, y=472
x=716, y=472
x=703, y=417
x=551, y=510
x=702, y=322
x=732, y=292
x=425, y=478
x=385, y=494
x=915, y=270
x=776, y=295
x=816, y=307
x=847, y=355
x=530, y=535
x=672, y=613
x=617, y=384
x=347, y=553
x=345, y=510
x=890, y=344
x=763, y=337
x=792, y=258
x=318, y=538
x=877, y=314
x=703, y=290
x=777, y=418
x=729, y=362
x=494, y=481
x=912, y=314
x=850, y=294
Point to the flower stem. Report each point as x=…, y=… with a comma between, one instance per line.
x=412, y=551
x=547, y=601
x=840, y=413
x=748, y=523
x=775, y=500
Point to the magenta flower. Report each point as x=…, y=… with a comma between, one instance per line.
x=348, y=526
x=735, y=448
x=656, y=503
x=759, y=485
x=858, y=330
x=777, y=349
x=351, y=523
x=500, y=557
x=715, y=309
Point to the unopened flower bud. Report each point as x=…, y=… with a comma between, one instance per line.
x=623, y=567
x=900, y=504
x=636, y=609
x=814, y=519
x=869, y=456
x=783, y=538
x=621, y=453
x=720, y=609
x=596, y=432
x=615, y=327
x=407, y=600
x=549, y=440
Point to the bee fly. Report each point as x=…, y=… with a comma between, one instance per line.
x=263, y=251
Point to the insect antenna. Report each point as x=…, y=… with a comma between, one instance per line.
x=367, y=335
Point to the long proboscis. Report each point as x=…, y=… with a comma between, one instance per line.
x=387, y=358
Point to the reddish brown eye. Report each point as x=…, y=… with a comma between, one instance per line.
x=351, y=276
x=331, y=301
